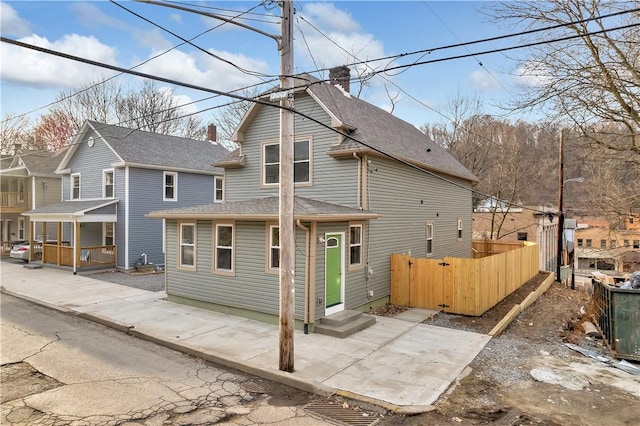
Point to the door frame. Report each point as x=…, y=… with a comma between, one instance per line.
x=340, y=306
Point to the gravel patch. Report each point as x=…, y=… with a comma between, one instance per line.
x=152, y=281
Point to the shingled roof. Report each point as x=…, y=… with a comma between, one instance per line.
x=142, y=148
x=36, y=163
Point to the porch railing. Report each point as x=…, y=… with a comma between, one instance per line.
x=15, y=200
x=89, y=256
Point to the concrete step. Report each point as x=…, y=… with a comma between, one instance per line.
x=344, y=324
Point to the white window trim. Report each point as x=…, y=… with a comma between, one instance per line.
x=104, y=183
x=104, y=233
x=195, y=246
x=21, y=228
x=270, y=245
x=218, y=184
x=73, y=176
x=232, y=271
x=164, y=186
x=459, y=231
x=264, y=184
x=429, y=237
x=360, y=265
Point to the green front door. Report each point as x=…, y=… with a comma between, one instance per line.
x=333, y=270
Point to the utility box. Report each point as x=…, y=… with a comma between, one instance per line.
x=619, y=318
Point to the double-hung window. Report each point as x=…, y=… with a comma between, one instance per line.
x=301, y=162
x=355, y=245
x=218, y=189
x=274, y=248
x=187, y=238
x=459, y=229
x=170, y=186
x=107, y=183
x=429, y=239
x=107, y=234
x=224, y=256
x=75, y=186
x=21, y=228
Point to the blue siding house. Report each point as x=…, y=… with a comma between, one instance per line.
x=111, y=178
x=367, y=184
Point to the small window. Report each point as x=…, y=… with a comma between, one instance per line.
x=21, y=228
x=107, y=182
x=224, y=248
x=355, y=245
x=603, y=244
x=588, y=242
x=107, y=234
x=429, y=239
x=170, y=186
x=274, y=247
x=332, y=242
x=613, y=244
x=301, y=162
x=218, y=192
x=636, y=244
x=187, y=245
x=522, y=236
x=459, y=229
x=580, y=242
x=75, y=186
x=631, y=220
x=626, y=243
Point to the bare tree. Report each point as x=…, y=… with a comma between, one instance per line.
x=587, y=80
x=15, y=131
x=228, y=117
x=54, y=130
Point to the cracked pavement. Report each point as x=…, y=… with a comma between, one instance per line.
x=58, y=369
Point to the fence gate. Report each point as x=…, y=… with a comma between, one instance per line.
x=422, y=283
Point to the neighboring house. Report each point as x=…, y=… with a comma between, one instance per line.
x=601, y=246
x=388, y=190
x=111, y=178
x=27, y=181
x=536, y=224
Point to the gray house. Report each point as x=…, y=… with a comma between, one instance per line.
x=111, y=177
x=384, y=188
x=27, y=181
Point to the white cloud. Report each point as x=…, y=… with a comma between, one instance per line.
x=176, y=17
x=152, y=39
x=482, y=80
x=27, y=66
x=532, y=74
x=11, y=23
x=90, y=16
x=202, y=70
x=329, y=17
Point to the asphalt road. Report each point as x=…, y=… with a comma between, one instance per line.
x=60, y=369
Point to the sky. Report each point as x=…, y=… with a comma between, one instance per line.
x=326, y=34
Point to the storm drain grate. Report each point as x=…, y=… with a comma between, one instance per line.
x=253, y=387
x=339, y=415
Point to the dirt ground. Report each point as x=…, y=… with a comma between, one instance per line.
x=527, y=375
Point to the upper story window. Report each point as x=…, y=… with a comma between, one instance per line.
x=429, y=239
x=579, y=242
x=636, y=244
x=218, y=189
x=224, y=241
x=588, y=242
x=301, y=163
x=603, y=244
x=170, y=184
x=522, y=236
x=75, y=186
x=355, y=245
x=459, y=229
x=107, y=183
x=187, y=247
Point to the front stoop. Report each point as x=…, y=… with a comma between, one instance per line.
x=343, y=324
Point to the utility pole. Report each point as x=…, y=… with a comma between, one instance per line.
x=560, y=211
x=286, y=218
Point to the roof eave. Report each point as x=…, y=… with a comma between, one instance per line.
x=338, y=217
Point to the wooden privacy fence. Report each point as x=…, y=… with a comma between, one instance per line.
x=460, y=285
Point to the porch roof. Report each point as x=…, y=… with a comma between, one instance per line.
x=262, y=209
x=75, y=211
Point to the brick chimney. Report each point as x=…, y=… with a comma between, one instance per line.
x=340, y=76
x=212, y=133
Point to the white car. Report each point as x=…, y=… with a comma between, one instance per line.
x=20, y=251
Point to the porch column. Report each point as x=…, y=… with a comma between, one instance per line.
x=32, y=231
x=44, y=240
x=59, y=243
x=76, y=247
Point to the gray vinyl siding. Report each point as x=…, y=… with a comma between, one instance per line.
x=333, y=181
x=250, y=288
x=146, y=189
x=407, y=199
x=90, y=162
x=91, y=234
x=47, y=191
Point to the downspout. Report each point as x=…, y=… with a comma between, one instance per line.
x=359, y=185
x=306, y=278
